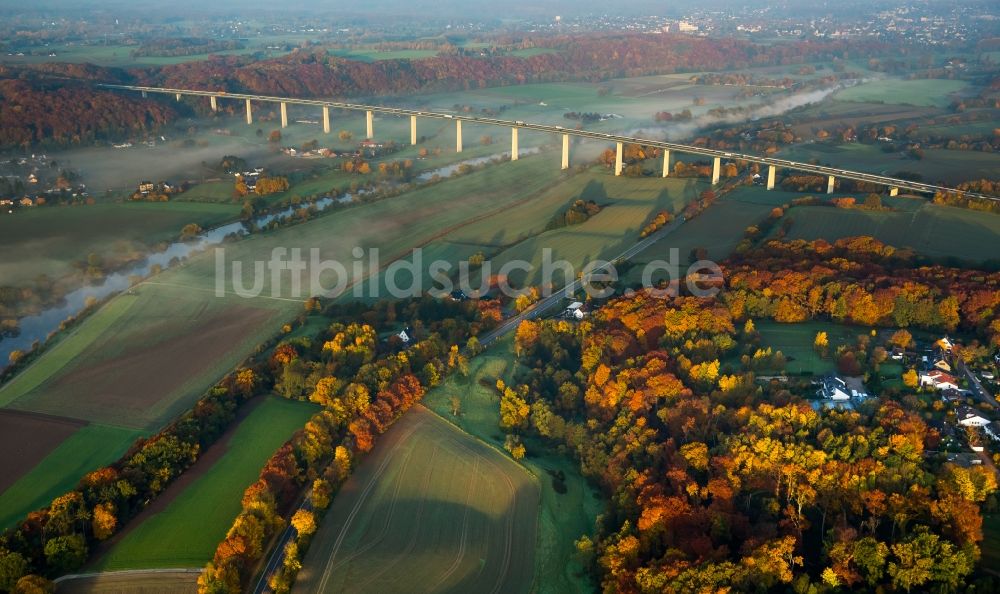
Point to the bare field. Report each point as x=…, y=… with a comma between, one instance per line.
x=138, y=371
x=132, y=582
x=25, y=440
x=430, y=509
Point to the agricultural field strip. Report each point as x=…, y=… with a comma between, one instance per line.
x=454, y=439
x=189, y=519
x=63, y=351
x=682, y=148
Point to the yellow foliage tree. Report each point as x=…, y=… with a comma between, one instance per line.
x=304, y=522
x=104, y=521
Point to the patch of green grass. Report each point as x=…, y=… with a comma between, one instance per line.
x=374, y=55
x=933, y=230
x=563, y=518
x=796, y=341
x=186, y=533
x=949, y=166
x=48, y=239
x=719, y=229
x=929, y=92
x=628, y=205
x=86, y=450
x=120, y=55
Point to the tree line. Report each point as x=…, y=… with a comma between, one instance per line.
x=364, y=384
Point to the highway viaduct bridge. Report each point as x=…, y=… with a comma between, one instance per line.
x=894, y=185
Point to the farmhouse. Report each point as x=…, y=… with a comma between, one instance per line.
x=951, y=395
x=938, y=380
x=146, y=187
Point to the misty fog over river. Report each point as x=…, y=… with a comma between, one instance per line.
x=37, y=327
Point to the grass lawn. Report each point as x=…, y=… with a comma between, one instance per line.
x=187, y=531
x=88, y=449
x=48, y=239
x=932, y=92
x=795, y=341
x=563, y=518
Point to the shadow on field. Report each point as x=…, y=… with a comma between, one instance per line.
x=436, y=545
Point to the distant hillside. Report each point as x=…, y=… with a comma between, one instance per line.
x=67, y=112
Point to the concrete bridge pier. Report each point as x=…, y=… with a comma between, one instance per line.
x=565, y=151
x=716, y=170
x=830, y=181
x=369, y=124
x=326, y=119
x=144, y=95
x=249, y=113
x=513, y=144
x=619, y=148
x=894, y=191
x=284, y=114
x=458, y=136
x=666, y=162
x=214, y=102
x=178, y=96
x=771, y=174
x=413, y=130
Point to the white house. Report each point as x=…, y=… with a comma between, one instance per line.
x=842, y=388
x=938, y=380
x=968, y=417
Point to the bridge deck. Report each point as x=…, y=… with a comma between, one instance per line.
x=891, y=182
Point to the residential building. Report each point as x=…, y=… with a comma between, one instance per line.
x=938, y=380
x=970, y=417
x=837, y=388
